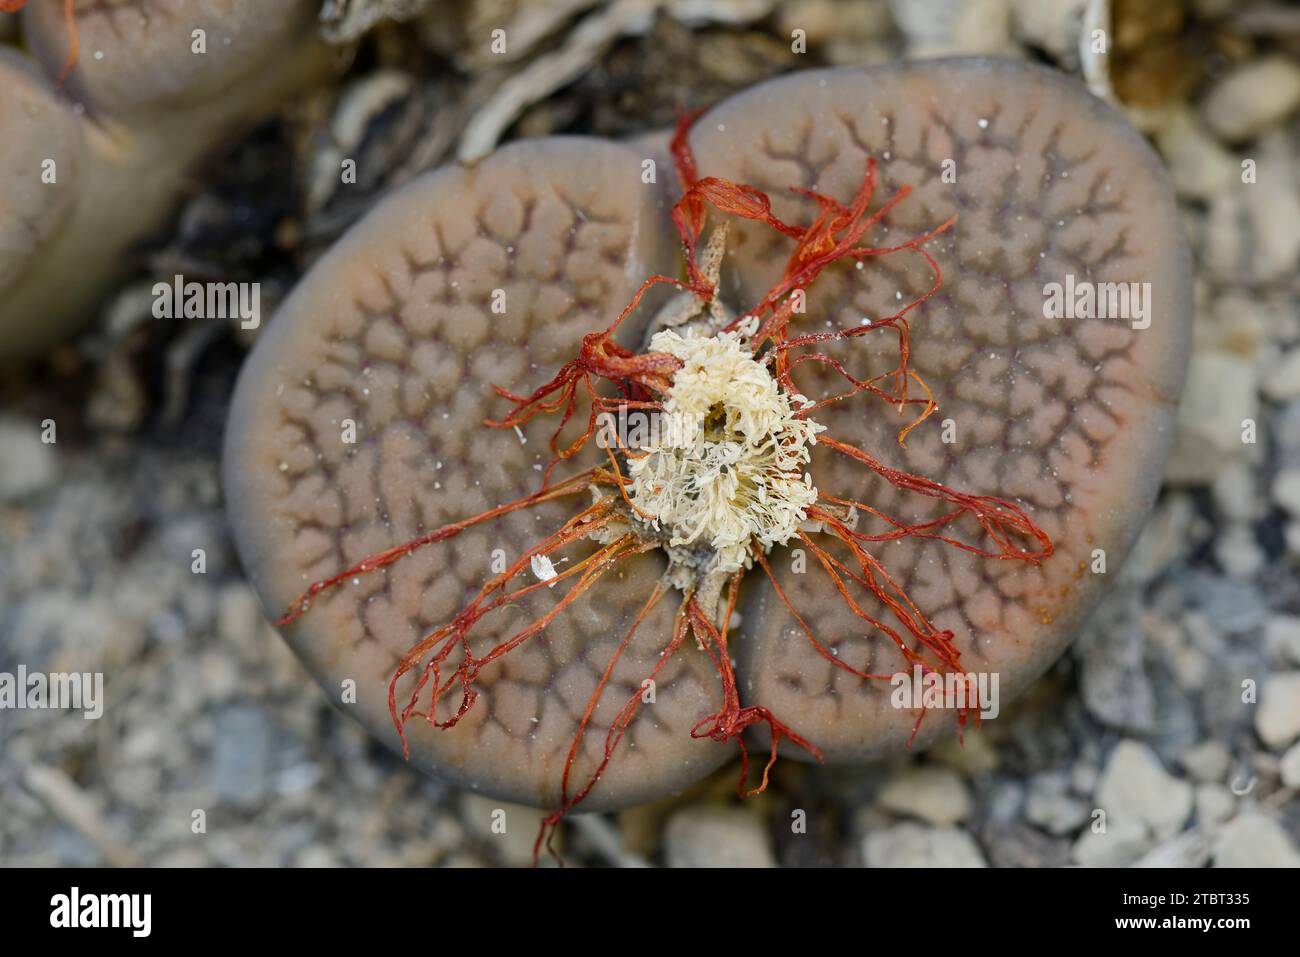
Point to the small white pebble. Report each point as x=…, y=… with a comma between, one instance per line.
x=543, y=568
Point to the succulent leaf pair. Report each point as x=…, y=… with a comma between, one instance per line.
x=357, y=423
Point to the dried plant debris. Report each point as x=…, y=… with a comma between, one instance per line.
x=343, y=21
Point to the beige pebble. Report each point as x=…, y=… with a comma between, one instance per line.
x=1252, y=97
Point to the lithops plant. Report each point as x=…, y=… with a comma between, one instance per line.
x=890, y=450
x=151, y=56
x=40, y=131
x=158, y=86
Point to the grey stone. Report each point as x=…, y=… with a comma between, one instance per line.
x=1282, y=637
x=1188, y=849
x=1282, y=383
x=1238, y=554
x=1277, y=716
x=1123, y=841
x=1223, y=247
x=1252, y=97
x=1239, y=323
x=1286, y=430
x=1273, y=207
x=1233, y=607
x=1136, y=787
x=27, y=464
x=1084, y=777
x=717, y=837
x=1163, y=540
x=239, y=618
x=935, y=795
x=1116, y=688
x=1207, y=761
x=1051, y=808
x=915, y=845
x=1289, y=767
x=1019, y=845
x=241, y=756
x=1221, y=394
x=1199, y=167
x=971, y=754
x=1252, y=839
x=1286, y=491
x=507, y=830
x=1214, y=805
x=1236, y=493
x=1004, y=803
x=1191, y=667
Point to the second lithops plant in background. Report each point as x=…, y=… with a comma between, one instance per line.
x=920, y=369
x=103, y=129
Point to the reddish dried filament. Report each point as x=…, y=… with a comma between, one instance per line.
x=641, y=381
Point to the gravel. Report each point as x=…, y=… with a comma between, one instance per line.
x=1283, y=381
x=1207, y=761
x=1198, y=165
x=1253, y=97
x=717, y=837
x=28, y=464
x=1289, y=767
x=1277, y=719
x=241, y=756
x=934, y=795
x=1286, y=491
x=1282, y=637
x=1214, y=805
x=1254, y=839
x=1117, y=844
x=1136, y=787
x=915, y=845
x=1221, y=395
x=1050, y=807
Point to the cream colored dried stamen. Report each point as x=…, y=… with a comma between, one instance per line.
x=730, y=470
